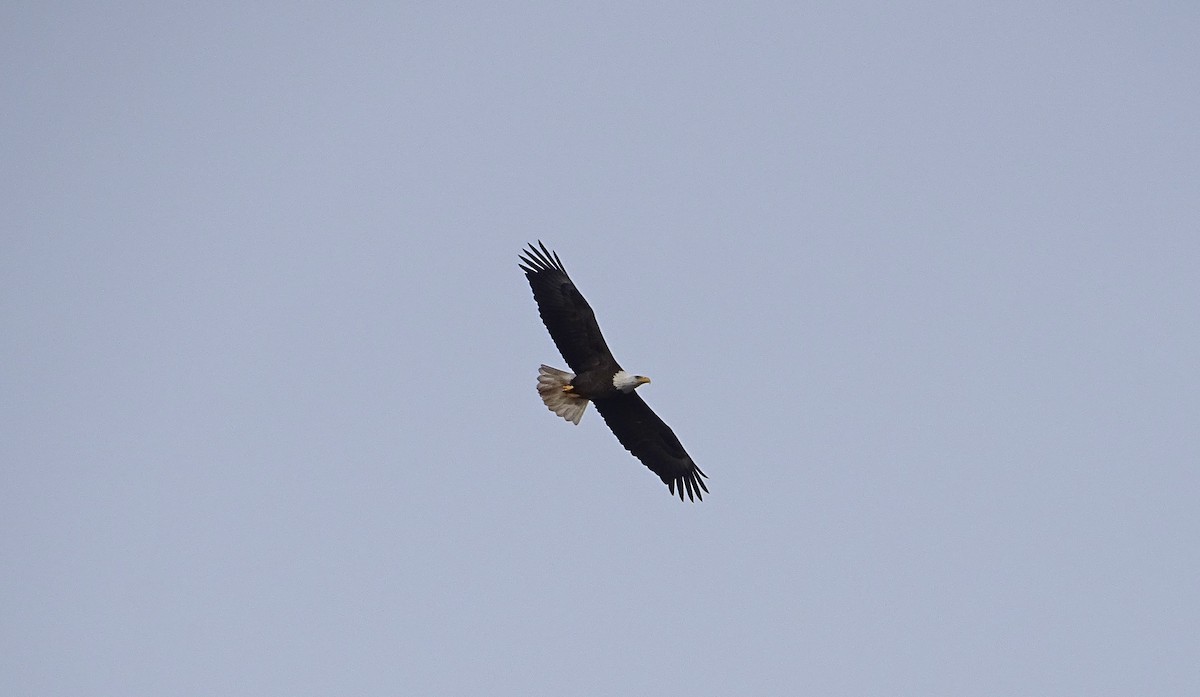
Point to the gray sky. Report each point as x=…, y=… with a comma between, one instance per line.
x=917, y=286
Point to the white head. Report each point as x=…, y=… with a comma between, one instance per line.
x=627, y=382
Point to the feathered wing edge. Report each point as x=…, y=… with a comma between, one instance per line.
x=651, y=441
x=565, y=312
x=535, y=261
x=693, y=483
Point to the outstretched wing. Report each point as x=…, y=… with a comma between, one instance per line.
x=650, y=440
x=567, y=316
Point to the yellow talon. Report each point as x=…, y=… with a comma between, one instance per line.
x=568, y=388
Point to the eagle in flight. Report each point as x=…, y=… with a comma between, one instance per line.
x=599, y=379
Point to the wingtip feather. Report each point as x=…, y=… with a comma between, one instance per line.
x=539, y=258
x=690, y=484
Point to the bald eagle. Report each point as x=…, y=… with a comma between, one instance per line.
x=599, y=379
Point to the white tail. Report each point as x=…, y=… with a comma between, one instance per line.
x=551, y=382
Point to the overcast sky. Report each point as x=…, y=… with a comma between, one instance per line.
x=918, y=286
